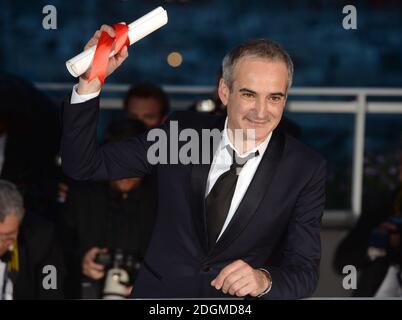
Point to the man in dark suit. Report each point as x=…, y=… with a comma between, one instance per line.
x=247, y=225
x=31, y=262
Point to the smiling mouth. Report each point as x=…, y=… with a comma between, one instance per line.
x=257, y=122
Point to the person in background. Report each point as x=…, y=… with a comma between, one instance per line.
x=147, y=102
x=103, y=218
x=28, y=251
x=373, y=246
x=29, y=138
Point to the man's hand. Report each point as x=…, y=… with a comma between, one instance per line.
x=89, y=267
x=62, y=191
x=240, y=279
x=85, y=87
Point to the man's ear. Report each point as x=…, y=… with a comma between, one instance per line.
x=223, y=92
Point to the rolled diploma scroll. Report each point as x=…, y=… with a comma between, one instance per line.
x=137, y=30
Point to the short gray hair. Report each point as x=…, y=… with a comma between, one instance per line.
x=10, y=200
x=260, y=48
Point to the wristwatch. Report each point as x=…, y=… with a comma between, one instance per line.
x=268, y=275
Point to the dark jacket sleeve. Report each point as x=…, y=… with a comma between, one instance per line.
x=41, y=266
x=84, y=159
x=53, y=259
x=297, y=272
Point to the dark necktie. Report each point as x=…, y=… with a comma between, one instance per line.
x=217, y=202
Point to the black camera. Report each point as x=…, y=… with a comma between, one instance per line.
x=120, y=271
x=119, y=259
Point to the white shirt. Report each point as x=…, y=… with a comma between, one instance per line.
x=221, y=163
x=8, y=295
x=390, y=285
x=80, y=98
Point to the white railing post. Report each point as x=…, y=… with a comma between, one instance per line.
x=358, y=154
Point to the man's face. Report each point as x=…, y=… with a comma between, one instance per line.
x=257, y=97
x=8, y=231
x=148, y=110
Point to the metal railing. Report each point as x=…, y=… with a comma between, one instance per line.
x=357, y=104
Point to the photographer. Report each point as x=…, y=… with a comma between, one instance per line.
x=374, y=244
x=383, y=277
x=106, y=227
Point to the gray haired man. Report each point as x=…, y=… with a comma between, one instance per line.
x=31, y=263
x=11, y=214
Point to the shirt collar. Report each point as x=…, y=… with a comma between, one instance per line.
x=226, y=142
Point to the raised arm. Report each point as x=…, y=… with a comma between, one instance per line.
x=82, y=157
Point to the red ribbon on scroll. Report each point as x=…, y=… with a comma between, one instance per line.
x=103, y=48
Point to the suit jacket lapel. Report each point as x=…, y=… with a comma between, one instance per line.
x=199, y=176
x=255, y=193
